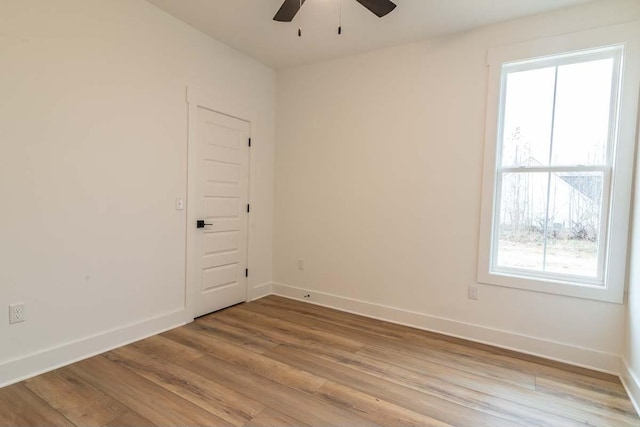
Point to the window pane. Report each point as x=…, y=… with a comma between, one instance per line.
x=573, y=230
x=528, y=113
x=583, y=102
x=522, y=218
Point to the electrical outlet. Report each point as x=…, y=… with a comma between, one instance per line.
x=300, y=264
x=473, y=292
x=16, y=313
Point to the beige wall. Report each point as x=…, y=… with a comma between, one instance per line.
x=378, y=186
x=93, y=153
x=631, y=362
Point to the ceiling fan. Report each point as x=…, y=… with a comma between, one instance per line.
x=289, y=8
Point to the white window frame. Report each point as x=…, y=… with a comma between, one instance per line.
x=609, y=286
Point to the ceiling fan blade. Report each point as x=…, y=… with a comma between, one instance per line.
x=378, y=7
x=288, y=10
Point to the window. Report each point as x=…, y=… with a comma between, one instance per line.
x=556, y=181
x=556, y=133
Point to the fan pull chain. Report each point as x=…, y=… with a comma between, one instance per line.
x=340, y=18
x=300, y=20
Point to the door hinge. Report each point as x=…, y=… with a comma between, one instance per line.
x=246, y=272
x=248, y=208
x=249, y=142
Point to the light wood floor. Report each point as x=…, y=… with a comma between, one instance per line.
x=280, y=362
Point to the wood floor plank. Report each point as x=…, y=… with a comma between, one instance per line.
x=434, y=407
x=587, y=383
x=355, y=361
x=401, y=348
x=251, y=340
x=151, y=401
x=76, y=399
x=485, y=402
x=293, y=317
x=596, y=414
x=253, y=331
x=523, y=364
x=469, y=363
x=589, y=396
x=336, y=316
x=161, y=346
x=426, y=359
x=19, y=406
x=373, y=408
x=272, y=418
x=425, y=351
x=311, y=311
x=428, y=356
x=130, y=419
x=299, y=341
x=299, y=405
x=227, y=404
x=253, y=362
x=282, y=328
x=270, y=390
x=522, y=357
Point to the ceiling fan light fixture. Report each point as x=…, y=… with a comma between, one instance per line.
x=290, y=8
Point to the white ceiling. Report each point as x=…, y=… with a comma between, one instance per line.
x=247, y=25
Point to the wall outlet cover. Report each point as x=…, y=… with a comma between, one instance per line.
x=16, y=313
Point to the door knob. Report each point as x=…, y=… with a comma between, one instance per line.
x=200, y=223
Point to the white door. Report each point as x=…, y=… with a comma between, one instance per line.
x=222, y=187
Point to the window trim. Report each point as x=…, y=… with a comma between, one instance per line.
x=611, y=288
x=611, y=52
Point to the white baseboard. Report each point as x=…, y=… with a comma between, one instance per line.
x=34, y=364
x=631, y=383
x=260, y=291
x=574, y=355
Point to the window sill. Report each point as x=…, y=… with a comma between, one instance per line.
x=548, y=286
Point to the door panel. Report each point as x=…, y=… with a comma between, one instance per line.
x=222, y=242
x=216, y=277
x=222, y=174
x=221, y=207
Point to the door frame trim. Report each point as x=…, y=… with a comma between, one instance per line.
x=201, y=98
